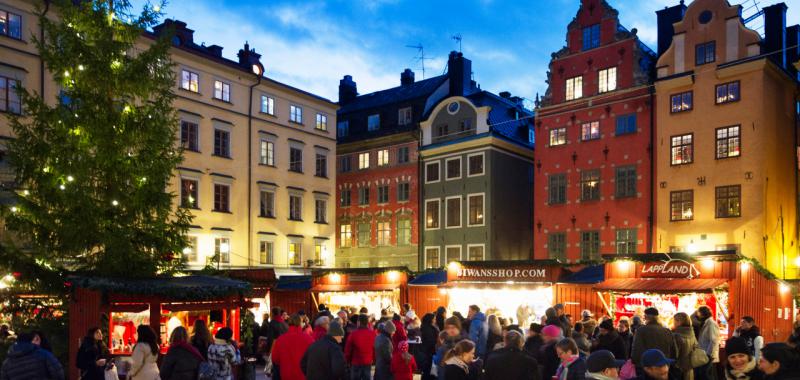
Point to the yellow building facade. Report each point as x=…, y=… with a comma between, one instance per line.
x=726, y=137
x=259, y=159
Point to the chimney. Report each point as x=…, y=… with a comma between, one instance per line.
x=666, y=17
x=248, y=57
x=184, y=35
x=407, y=77
x=792, y=40
x=774, y=42
x=215, y=50
x=347, y=90
x=505, y=95
x=517, y=100
x=459, y=72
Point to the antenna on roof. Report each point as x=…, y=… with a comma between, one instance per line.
x=458, y=38
x=420, y=57
x=751, y=11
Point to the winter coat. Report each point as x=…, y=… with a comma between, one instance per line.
x=318, y=333
x=181, y=362
x=582, y=342
x=652, y=335
x=589, y=324
x=533, y=345
x=287, y=351
x=613, y=342
x=511, y=364
x=573, y=371
x=323, y=360
x=548, y=359
x=429, y=335
x=438, y=358
x=222, y=357
x=453, y=371
x=627, y=338
x=88, y=355
x=400, y=333
x=755, y=342
x=709, y=339
x=28, y=361
x=402, y=370
x=751, y=372
x=492, y=340
x=201, y=346
x=383, y=356
x=277, y=327
x=144, y=364
x=479, y=333
x=685, y=342
x=360, y=347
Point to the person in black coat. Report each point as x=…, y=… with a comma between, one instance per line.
x=779, y=361
x=429, y=334
x=182, y=361
x=93, y=355
x=609, y=339
x=441, y=316
x=548, y=357
x=324, y=359
x=534, y=342
x=26, y=360
x=458, y=361
x=510, y=362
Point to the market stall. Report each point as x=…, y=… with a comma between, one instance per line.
x=425, y=294
x=373, y=288
x=292, y=294
x=261, y=281
x=576, y=291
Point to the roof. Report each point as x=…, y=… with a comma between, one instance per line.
x=661, y=285
x=188, y=288
x=589, y=275
x=397, y=94
x=430, y=278
x=506, y=119
x=293, y=283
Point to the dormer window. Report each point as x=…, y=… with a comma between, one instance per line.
x=374, y=122
x=591, y=37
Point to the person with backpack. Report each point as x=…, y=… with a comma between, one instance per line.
x=26, y=360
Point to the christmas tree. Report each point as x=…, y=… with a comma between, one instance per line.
x=93, y=165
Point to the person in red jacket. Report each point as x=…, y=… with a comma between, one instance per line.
x=320, y=328
x=359, y=349
x=289, y=348
x=403, y=363
x=400, y=334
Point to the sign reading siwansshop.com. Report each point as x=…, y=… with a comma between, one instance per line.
x=516, y=274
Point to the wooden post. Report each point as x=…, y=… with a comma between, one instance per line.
x=155, y=318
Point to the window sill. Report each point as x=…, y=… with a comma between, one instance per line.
x=321, y=129
x=624, y=197
x=190, y=91
x=681, y=164
x=295, y=220
x=191, y=208
x=10, y=112
x=321, y=176
x=267, y=216
x=728, y=158
x=225, y=157
x=727, y=217
x=295, y=171
x=222, y=211
x=296, y=123
x=221, y=100
x=267, y=165
x=319, y=222
x=191, y=150
x=14, y=38
x=267, y=114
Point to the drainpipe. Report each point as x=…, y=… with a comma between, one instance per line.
x=652, y=216
x=421, y=208
x=41, y=60
x=258, y=70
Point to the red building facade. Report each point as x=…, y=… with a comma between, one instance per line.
x=592, y=186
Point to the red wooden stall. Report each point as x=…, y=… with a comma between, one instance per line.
x=292, y=294
x=373, y=288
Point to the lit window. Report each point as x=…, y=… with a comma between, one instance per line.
x=432, y=214
x=728, y=142
x=681, y=102
x=222, y=249
x=364, y=234
x=322, y=122
x=475, y=210
x=222, y=91
x=475, y=253
x=363, y=161
x=590, y=131
x=727, y=92
x=403, y=231
x=383, y=157
x=591, y=37
x=11, y=25
x=384, y=233
x=189, y=193
x=729, y=201
x=607, y=80
x=296, y=114
x=191, y=249
x=590, y=185
x=9, y=98
x=268, y=105
x=575, y=88
x=267, y=153
x=681, y=205
x=295, y=253
x=190, y=81
x=682, y=151
x=345, y=235
x=373, y=122
x=266, y=251
x=558, y=136
x=705, y=53
x=452, y=254
x=432, y=260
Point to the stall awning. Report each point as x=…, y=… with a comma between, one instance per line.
x=661, y=285
x=294, y=283
x=354, y=288
x=430, y=279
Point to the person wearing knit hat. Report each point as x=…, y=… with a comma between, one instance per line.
x=223, y=354
x=383, y=350
x=324, y=359
x=741, y=364
x=403, y=363
x=549, y=357
x=336, y=331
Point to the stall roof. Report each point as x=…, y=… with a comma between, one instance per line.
x=588, y=275
x=661, y=285
x=325, y=271
x=187, y=288
x=430, y=278
x=294, y=283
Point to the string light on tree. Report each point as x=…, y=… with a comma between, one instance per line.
x=70, y=178
x=114, y=203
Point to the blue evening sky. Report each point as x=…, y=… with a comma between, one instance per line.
x=312, y=44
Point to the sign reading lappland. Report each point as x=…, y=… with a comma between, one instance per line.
x=503, y=274
x=669, y=269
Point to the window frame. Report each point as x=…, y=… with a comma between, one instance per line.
x=438, y=172
x=401, y=242
x=222, y=148
x=482, y=196
x=345, y=235
x=342, y=128
x=224, y=257
x=383, y=157
x=321, y=122
x=362, y=199
x=738, y=198
x=383, y=236
x=193, y=205
x=192, y=243
x=10, y=95
x=586, y=182
x=345, y=164
x=593, y=37
x=607, y=80
x=403, y=155
x=193, y=78
x=673, y=202
x=552, y=253
x=438, y=215
x=320, y=211
x=470, y=174
x=625, y=130
x=483, y=251
x=363, y=160
x=626, y=178
x=705, y=55
x=296, y=114
x=370, y=119
x=382, y=194
x=404, y=188
x=297, y=260
x=626, y=243
x=672, y=148
x=191, y=140
x=447, y=162
x=293, y=163
x=266, y=152
x=405, y=116
x=361, y=243
x=593, y=251
x=270, y=103
x=7, y=31
x=727, y=139
x=557, y=134
x=591, y=135
x=575, y=91
x=268, y=257
x=223, y=90
x=222, y=202
x=681, y=96
x=561, y=197
x=447, y=200
x=729, y=97
x=266, y=203
x=438, y=257
x=321, y=165
x=448, y=247
x=295, y=207
x=342, y=197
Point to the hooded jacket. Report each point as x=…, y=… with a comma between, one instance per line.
x=323, y=360
x=287, y=351
x=479, y=333
x=28, y=361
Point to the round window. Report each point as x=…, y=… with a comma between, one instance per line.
x=453, y=107
x=705, y=17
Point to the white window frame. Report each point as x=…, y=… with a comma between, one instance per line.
x=188, y=86
x=405, y=116
x=324, y=219
x=438, y=217
x=300, y=213
x=447, y=213
x=349, y=232
x=270, y=105
x=388, y=241
x=425, y=256
x=299, y=242
x=575, y=84
x=196, y=248
x=439, y=168
x=363, y=161
x=483, y=167
x=383, y=157
x=605, y=81
x=222, y=93
x=460, y=168
x=321, y=122
x=266, y=145
x=296, y=113
x=271, y=190
x=214, y=248
x=460, y=253
x=483, y=209
x=266, y=239
x=483, y=251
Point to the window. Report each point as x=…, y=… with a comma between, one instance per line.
x=590, y=131
x=268, y=105
x=384, y=233
x=383, y=157
x=190, y=81
x=558, y=136
x=531, y=136
x=729, y=201
x=188, y=193
x=344, y=198
x=432, y=214
x=607, y=80
x=403, y=190
x=319, y=252
x=345, y=164
x=322, y=122
x=222, y=143
x=681, y=102
x=403, y=231
x=296, y=160
x=475, y=253
x=9, y=98
x=383, y=194
x=404, y=116
x=266, y=250
x=452, y=253
x=345, y=235
x=626, y=124
x=557, y=189
x=342, y=128
x=296, y=114
x=189, y=136
x=363, y=161
x=625, y=181
x=705, y=53
x=432, y=258
x=267, y=203
x=681, y=205
x=475, y=202
x=191, y=249
x=557, y=246
x=453, y=168
x=402, y=155
x=727, y=92
x=222, y=91
x=322, y=165
x=222, y=249
x=591, y=37
x=222, y=197
x=364, y=232
x=453, y=212
x=682, y=151
x=266, y=154
x=728, y=142
x=11, y=25
x=320, y=211
x=590, y=245
x=475, y=163
x=626, y=240
x=363, y=196
x=295, y=253
x=373, y=122
x=295, y=207
x=590, y=185
x=575, y=88
x=432, y=172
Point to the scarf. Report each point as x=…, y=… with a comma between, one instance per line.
x=456, y=361
x=742, y=374
x=563, y=369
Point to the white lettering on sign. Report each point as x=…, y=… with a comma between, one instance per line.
x=672, y=268
x=499, y=273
